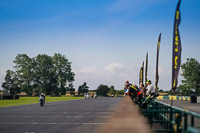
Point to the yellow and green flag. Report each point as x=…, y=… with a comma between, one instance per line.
x=157, y=59
x=146, y=68
x=141, y=78
x=176, y=57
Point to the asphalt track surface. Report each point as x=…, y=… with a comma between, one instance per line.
x=194, y=107
x=74, y=116
x=187, y=106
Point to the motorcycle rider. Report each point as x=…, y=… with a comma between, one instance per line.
x=42, y=97
x=85, y=96
x=92, y=95
x=126, y=88
x=134, y=92
x=95, y=96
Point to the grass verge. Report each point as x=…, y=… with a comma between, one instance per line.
x=31, y=100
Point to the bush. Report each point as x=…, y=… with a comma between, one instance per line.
x=10, y=97
x=56, y=95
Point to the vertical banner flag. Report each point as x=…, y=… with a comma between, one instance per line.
x=157, y=58
x=141, y=74
x=146, y=67
x=176, y=57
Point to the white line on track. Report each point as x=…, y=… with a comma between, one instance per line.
x=55, y=112
x=35, y=123
x=68, y=116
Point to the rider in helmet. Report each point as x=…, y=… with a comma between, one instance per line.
x=43, y=96
x=126, y=88
x=135, y=93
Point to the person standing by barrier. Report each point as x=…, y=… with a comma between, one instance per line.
x=85, y=96
x=151, y=95
x=126, y=88
x=142, y=88
x=150, y=88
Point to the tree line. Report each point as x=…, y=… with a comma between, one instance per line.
x=102, y=90
x=191, y=78
x=51, y=75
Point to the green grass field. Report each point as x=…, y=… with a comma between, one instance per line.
x=30, y=100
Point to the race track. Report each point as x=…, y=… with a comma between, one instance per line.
x=57, y=117
x=194, y=107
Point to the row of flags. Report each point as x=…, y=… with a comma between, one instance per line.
x=176, y=54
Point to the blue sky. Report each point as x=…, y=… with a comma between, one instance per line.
x=106, y=40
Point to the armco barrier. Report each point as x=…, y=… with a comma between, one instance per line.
x=198, y=99
x=183, y=98
x=172, y=119
x=126, y=119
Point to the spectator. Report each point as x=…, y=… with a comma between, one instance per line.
x=150, y=88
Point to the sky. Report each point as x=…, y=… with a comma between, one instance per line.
x=106, y=40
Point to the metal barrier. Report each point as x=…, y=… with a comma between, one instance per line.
x=172, y=119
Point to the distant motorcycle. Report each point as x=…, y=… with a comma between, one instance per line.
x=95, y=96
x=42, y=99
x=92, y=96
x=87, y=96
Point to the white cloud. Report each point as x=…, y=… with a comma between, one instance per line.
x=115, y=67
x=116, y=74
x=112, y=74
x=2, y=76
x=88, y=69
x=165, y=77
x=161, y=71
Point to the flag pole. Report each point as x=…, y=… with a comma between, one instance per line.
x=176, y=51
x=146, y=69
x=157, y=60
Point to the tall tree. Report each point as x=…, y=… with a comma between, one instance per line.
x=10, y=84
x=42, y=73
x=102, y=90
x=83, y=88
x=184, y=89
x=24, y=71
x=112, y=90
x=191, y=74
x=71, y=88
x=62, y=71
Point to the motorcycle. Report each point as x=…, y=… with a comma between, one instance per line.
x=92, y=96
x=95, y=96
x=148, y=100
x=138, y=99
x=41, y=100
